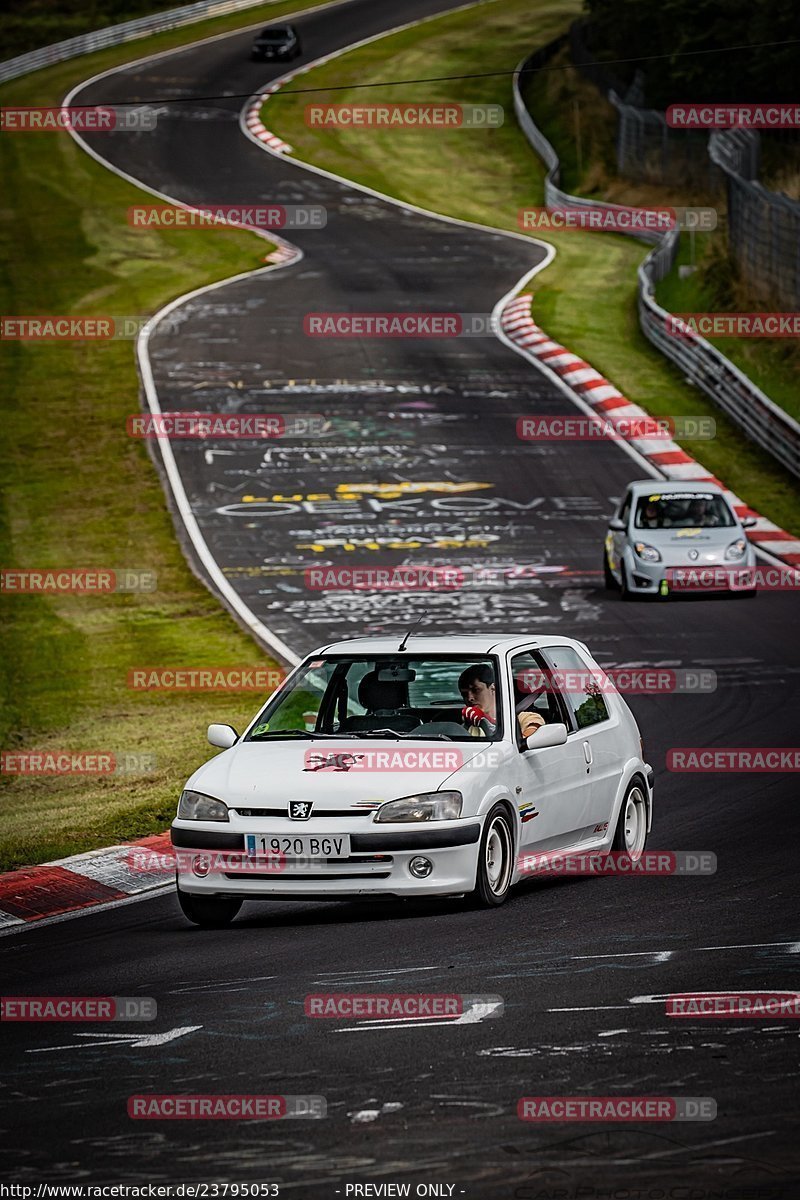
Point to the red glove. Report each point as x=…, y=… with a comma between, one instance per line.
x=474, y=715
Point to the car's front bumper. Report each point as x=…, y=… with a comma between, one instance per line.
x=214, y=862
x=689, y=578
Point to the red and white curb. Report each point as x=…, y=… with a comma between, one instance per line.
x=82, y=881
x=601, y=395
x=252, y=114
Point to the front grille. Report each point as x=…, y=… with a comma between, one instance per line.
x=363, y=866
x=321, y=875
x=284, y=812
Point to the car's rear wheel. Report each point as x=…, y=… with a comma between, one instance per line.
x=495, y=859
x=210, y=912
x=631, y=831
x=608, y=576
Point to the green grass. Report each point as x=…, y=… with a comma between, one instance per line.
x=79, y=492
x=772, y=363
x=587, y=298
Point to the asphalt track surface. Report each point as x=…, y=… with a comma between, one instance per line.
x=572, y=959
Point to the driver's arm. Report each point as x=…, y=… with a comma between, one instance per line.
x=529, y=722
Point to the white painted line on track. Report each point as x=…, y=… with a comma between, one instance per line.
x=133, y=1040
x=794, y=948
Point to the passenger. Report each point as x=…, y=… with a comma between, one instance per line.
x=478, y=691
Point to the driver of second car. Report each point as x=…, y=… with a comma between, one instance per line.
x=478, y=691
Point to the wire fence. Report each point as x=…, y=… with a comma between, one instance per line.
x=763, y=226
x=700, y=362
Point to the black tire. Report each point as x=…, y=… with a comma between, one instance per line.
x=624, y=839
x=492, y=886
x=624, y=589
x=209, y=912
x=608, y=578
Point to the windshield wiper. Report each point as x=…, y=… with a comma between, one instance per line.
x=289, y=733
x=384, y=733
x=371, y=733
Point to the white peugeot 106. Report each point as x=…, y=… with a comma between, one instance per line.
x=429, y=767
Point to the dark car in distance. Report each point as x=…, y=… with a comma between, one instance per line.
x=276, y=41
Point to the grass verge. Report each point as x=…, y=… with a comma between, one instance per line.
x=80, y=493
x=587, y=298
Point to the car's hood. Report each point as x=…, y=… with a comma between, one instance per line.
x=334, y=773
x=679, y=546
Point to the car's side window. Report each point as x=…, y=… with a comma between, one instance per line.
x=575, y=680
x=534, y=691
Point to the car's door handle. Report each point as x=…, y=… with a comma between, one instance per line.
x=587, y=754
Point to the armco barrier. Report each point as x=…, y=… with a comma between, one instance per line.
x=755, y=414
x=115, y=35
x=554, y=197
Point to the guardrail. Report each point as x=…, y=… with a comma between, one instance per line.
x=115, y=35
x=729, y=388
x=554, y=197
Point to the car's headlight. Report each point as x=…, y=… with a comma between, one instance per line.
x=431, y=806
x=648, y=553
x=737, y=549
x=194, y=806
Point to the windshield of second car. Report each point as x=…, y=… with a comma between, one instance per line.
x=360, y=697
x=682, y=510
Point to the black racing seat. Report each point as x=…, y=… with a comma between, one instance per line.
x=386, y=704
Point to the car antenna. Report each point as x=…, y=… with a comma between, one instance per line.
x=402, y=645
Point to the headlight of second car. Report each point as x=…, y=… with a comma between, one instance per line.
x=194, y=806
x=737, y=549
x=430, y=806
x=648, y=553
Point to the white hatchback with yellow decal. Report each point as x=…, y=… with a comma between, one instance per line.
x=678, y=538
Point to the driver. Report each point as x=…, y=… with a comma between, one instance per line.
x=649, y=515
x=701, y=513
x=479, y=694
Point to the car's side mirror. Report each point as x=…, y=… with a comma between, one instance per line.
x=748, y=522
x=547, y=735
x=223, y=736
x=617, y=525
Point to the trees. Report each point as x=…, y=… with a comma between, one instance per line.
x=677, y=29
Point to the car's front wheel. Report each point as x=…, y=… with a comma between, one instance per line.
x=624, y=585
x=210, y=912
x=631, y=832
x=608, y=575
x=495, y=859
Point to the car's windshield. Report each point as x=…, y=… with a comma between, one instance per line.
x=361, y=696
x=682, y=510
x=275, y=35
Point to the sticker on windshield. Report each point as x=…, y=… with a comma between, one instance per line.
x=261, y=728
x=682, y=496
